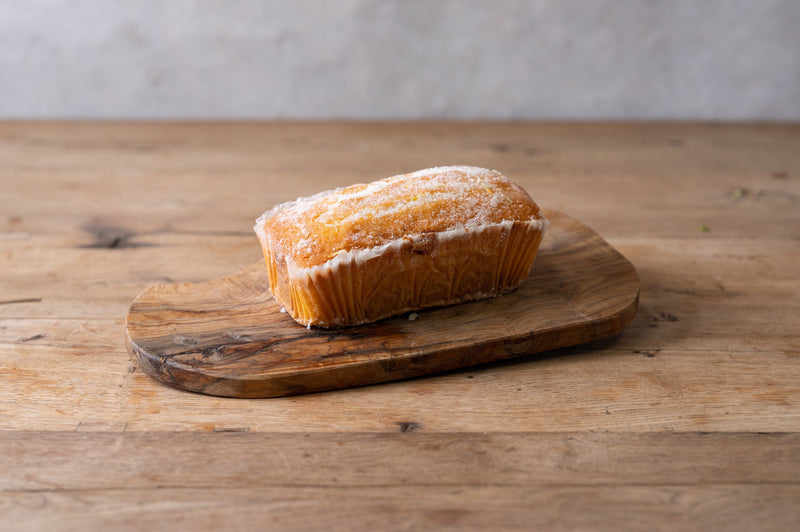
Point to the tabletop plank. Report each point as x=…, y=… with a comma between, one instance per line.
x=177, y=171
x=687, y=419
x=412, y=456
x=406, y=480
x=766, y=507
x=590, y=388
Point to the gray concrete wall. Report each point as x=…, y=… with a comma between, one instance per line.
x=366, y=59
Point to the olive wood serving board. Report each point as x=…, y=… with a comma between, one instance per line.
x=229, y=337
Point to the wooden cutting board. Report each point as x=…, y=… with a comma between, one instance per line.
x=228, y=337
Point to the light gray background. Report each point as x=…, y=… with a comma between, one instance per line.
x=367, y=59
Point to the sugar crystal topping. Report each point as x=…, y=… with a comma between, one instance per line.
x=313, y=230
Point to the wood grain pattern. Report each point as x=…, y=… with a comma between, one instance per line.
x=413, y=480
x=746, y=507
x=228, y=336
x=687, y=420
x=138, y=460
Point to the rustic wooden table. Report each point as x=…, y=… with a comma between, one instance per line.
x=689, y=419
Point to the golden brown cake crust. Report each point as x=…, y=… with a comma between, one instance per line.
x=434, y=237
x=313, y=230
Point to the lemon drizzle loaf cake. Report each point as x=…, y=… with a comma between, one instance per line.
x=365, y=252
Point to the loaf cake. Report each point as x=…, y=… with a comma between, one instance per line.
x=365, y=252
